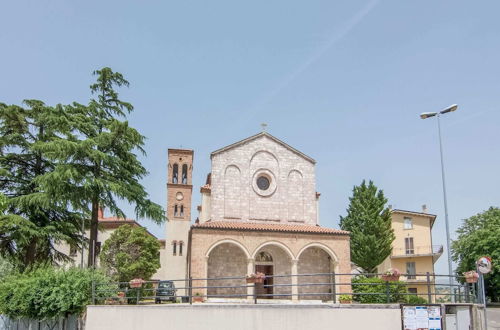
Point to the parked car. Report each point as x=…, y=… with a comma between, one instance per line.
x=166, y=291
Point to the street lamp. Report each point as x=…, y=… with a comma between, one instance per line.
x=426, y=115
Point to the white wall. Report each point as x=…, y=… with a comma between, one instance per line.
x=241, y=317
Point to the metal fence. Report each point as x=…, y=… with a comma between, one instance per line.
x=71, y=322
x=321, y=287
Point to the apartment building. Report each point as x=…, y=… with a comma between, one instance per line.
x=413, y=252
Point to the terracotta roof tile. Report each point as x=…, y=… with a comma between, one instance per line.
x=288, y=228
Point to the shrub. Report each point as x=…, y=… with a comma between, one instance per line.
x=48, y=293
x=415, y=300
x=377, y=290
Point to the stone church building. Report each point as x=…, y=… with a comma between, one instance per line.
x=258, y=213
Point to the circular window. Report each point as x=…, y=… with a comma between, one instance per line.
x=263, y=182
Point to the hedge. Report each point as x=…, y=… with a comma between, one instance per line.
x=48, y=293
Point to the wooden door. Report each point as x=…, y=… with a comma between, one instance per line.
x=264, y=290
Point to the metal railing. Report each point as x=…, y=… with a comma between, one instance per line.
x=418, y=250
x=321, y=287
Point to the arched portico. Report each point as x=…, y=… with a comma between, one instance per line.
x=274, y=259
x=226, y=258
x=316, y=258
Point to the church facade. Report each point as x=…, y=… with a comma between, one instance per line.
x=258, y=213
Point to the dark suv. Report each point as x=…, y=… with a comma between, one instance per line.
x=165, y=291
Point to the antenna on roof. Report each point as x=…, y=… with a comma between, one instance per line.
x=264, y=126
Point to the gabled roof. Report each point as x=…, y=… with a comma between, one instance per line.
x=256, y=136
x=286, y=228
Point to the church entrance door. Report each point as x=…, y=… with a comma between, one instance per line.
x=265, y=290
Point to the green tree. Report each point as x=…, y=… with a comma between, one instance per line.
x=96, y=161
x=369, y=221
x=130, y=252
x=32, y=221
x=479, y=236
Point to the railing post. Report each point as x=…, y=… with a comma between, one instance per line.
x=137, y=296
x=190, y=290
x=254, y=293
x=387, y=291
x=429, y=297
x=467, y=293
x=334, y=289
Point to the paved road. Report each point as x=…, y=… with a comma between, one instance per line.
x=493, y=318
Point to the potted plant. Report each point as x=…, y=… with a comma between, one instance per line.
x=197, y=297
x=392, y=274
x=345, y=299
x=256, y=278
x=471, y=276
x=136, y=283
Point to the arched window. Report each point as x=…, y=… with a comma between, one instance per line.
x=175, y=173
x=181, y=243
x=264, y=257
x=182, y=210
x=184, y=174
x=176, y=211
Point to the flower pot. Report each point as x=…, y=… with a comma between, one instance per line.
x=390, y=277
x=197, y=299
x=471, y=279
x=345, y=301
x=136, y=283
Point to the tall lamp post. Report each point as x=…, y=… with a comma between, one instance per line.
x=426, y=115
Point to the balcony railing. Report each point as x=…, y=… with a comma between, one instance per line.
x=434, y=250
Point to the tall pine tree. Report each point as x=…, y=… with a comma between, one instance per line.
x=369, y=221
x=32, y=221
x=96, y=162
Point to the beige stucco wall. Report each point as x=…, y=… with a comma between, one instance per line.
x=233, y=194
x=242, y=317
x=421, y=233
x=204, y=241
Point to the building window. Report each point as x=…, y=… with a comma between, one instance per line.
x=176, y=210
x=409, y=245
x=181, y=243
x=412, y=290
x=72, y=251
x=174, y=248
x=263, y=182
x=408, y=223
x=182, y=210
x=411, y=270
x=97, y=248
x=175, y=173
x=184, y=174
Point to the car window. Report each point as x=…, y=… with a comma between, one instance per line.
x=165, y=285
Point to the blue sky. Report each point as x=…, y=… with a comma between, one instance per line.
x=342, y=82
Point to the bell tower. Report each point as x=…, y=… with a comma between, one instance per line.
x=179, y=191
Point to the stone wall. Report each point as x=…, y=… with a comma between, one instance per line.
x=293, y=184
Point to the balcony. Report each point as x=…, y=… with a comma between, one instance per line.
x=419, y=251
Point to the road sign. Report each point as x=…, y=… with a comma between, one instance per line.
x=484, y=265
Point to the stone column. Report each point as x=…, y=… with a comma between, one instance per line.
x=250, y=270
x=295, y=280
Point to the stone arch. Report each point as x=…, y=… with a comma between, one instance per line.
x=232, y=192
x=232, y=241
x=262, y=152
x=316, y=258
x=261, y=202
x=226, y=269
x=321, y=246
x=276, y=243
x=282, y=259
